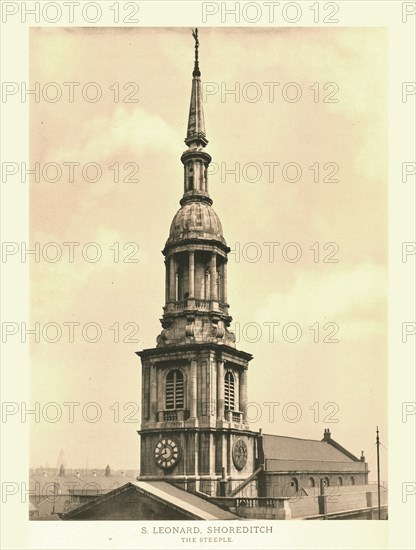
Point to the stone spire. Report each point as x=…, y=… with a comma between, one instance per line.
x=196, y=125
x=195, y=159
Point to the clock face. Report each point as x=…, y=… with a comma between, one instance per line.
x=167, y=453
x=240, y=454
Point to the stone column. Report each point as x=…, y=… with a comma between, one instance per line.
x=206, y=287
x=214, y=277
x=194, y=389
x=159, y=391
x=153, y=395
x=198, y=176
x=224, y=281
x=243, y=393
x=220, y=390
x=185, y=178
x=196, y=449
x=166, y=281
x=205, y=169
x=145, y=392
x=213, y=392
x=172, y=279
x=191, y=274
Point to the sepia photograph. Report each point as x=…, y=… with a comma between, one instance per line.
x=259, y=394
x=208, y=260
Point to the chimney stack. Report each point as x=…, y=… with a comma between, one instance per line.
x=327, y=434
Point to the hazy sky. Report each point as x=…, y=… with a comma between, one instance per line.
x=351, y=212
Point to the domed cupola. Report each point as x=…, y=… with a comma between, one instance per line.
x=195, y=220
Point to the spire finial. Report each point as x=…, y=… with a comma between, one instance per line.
x=195, y=136
x=196, y=71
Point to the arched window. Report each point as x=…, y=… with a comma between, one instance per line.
x=326, y=481
x=340, y=482
x=191, y=178
x=311, y=482
x=294, y=483
x=174, y=389
x=229, y=401
x=352, y=480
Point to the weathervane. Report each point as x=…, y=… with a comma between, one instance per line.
x=196, y=66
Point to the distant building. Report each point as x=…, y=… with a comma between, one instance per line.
x=57, y=492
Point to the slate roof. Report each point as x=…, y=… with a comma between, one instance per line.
x=187, y=501
x=293, y=448
x=195, y=507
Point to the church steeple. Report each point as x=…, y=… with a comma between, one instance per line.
x=194, y=382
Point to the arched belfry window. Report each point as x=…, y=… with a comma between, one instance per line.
x=191, y=177
x=174, y=389
x=229, y=391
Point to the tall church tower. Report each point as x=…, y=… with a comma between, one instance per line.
x=194, y=430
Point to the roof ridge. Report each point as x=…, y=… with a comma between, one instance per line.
x=299, y=438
